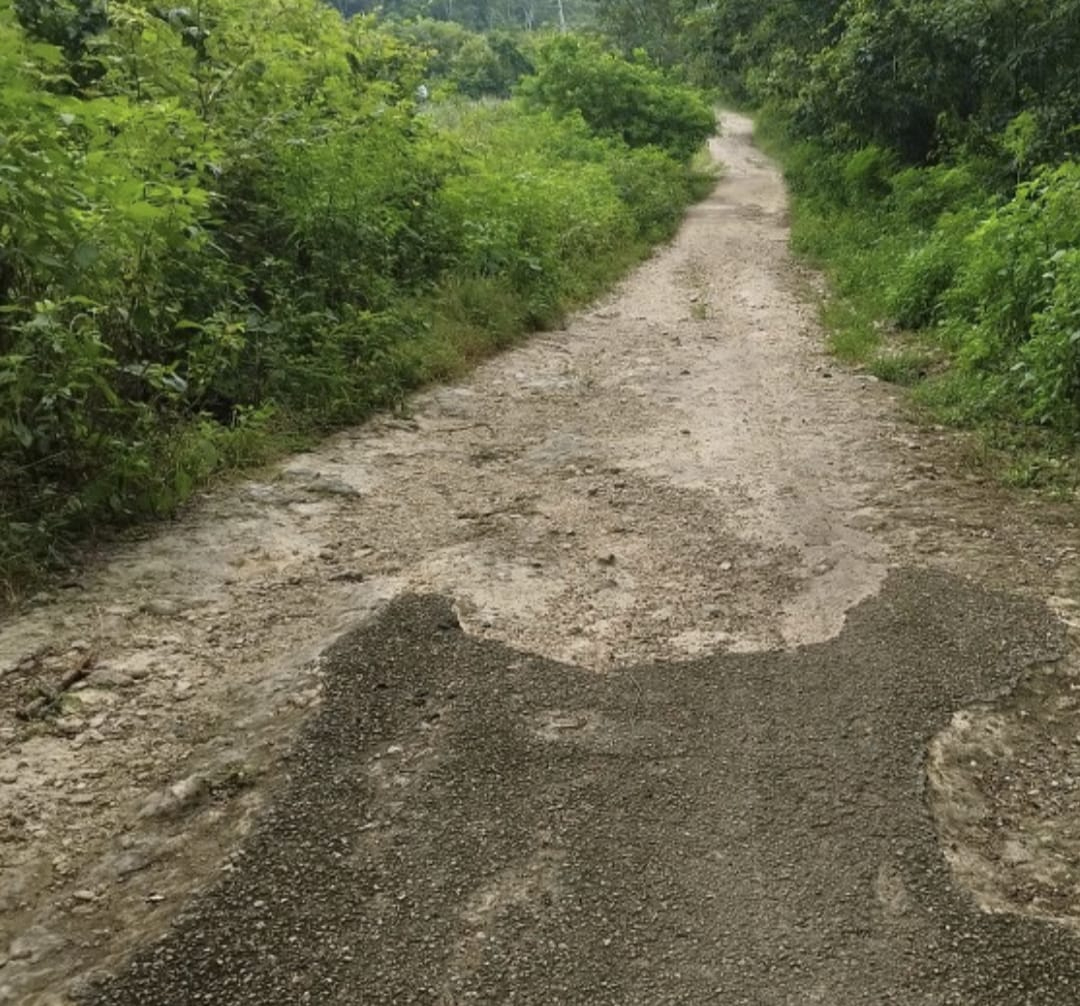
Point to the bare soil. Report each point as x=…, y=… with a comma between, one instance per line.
x=682, y=471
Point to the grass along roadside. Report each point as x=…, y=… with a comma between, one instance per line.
x=911, y=256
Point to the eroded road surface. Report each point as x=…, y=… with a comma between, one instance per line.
x=658, y=662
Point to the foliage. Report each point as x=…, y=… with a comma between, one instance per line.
x=231, y=226
x=755, y=50
x=650, y=26
x=474, y=65
x=480, y=15
x=631, y=99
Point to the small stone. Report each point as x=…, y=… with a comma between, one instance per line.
x=330, y=487
x=161, y=606
x=607, y=560
x=1014, y=853
x=9, y=778
x=725, y=566
x=70, y=726
x=132, y=860
x=176, y=798
x=84, y=895
x=109, y=677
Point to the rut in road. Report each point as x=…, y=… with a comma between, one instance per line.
x=681, y=475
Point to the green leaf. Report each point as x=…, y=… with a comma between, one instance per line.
x=22, y=432
x=85, y=254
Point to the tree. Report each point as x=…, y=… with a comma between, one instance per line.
x=649, y=25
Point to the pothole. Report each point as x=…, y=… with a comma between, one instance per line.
x=1004, y=790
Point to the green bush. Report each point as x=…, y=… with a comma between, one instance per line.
x=1015, y=296
x=915, y=295
x=1049, y=365
x=867, y=174
x=617, y=97
x=653, y=187
x=543, y=228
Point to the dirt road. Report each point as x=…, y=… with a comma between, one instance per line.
x=699, y=787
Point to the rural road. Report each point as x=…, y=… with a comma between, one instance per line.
x=658, y=661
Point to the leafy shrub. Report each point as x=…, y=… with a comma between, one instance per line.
x=1049, y=366
x=1010, y=262
x=618, y=97
x=924, y=195
x=653, y=187
x=914, y=296
x=867, y=174
x=542, y=229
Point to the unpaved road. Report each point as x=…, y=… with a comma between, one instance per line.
x=715, y=597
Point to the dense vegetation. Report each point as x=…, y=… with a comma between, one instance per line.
x=230, y=225
x=480, y=15
x=930, y=148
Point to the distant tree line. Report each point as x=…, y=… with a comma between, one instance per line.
x=480, y=15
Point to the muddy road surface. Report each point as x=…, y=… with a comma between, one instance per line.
x=660, y=661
